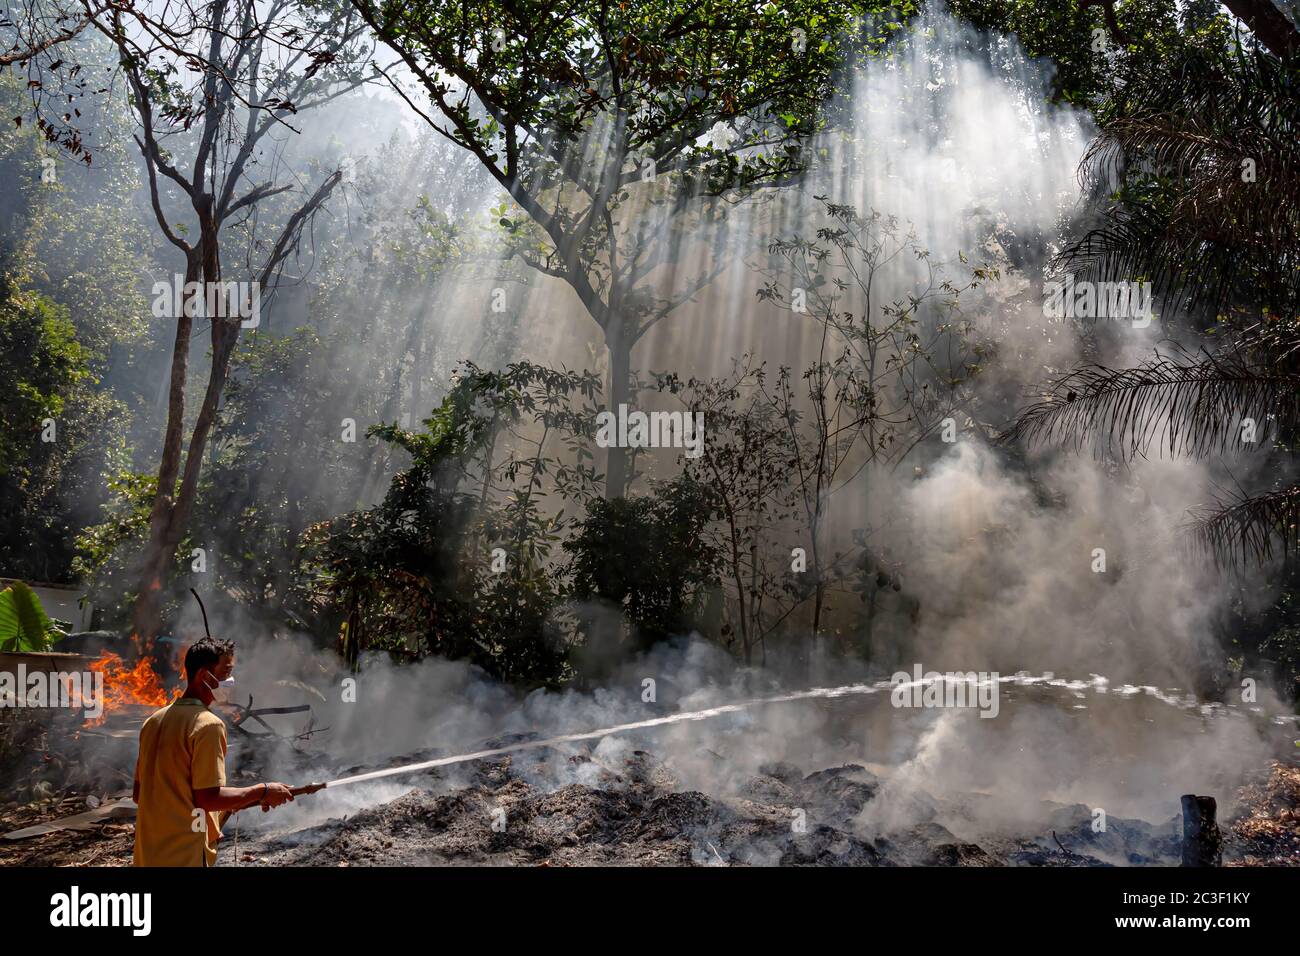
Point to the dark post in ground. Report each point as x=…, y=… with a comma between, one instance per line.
x=1201, y=837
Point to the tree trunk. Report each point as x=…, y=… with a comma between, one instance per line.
x=1268, y=23
x=170, y=515
x=869, y=626
x=146, y=614
x=225, y=337
x=415, y=346
x=819, y=596
x=620, y=393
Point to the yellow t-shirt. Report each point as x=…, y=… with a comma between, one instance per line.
x=182, y=749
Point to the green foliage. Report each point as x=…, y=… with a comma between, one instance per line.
x=41, y=364
x=455, y=560
x=1260, y=630
x=649, y=556
x=1093, y=63
x=71, y=253
x=650, y=78
x=105, y=555
x=57, y=430
x=24, y=625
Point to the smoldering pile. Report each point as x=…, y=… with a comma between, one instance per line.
x=514, y=810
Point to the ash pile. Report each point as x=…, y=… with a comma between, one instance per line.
x=627, y=808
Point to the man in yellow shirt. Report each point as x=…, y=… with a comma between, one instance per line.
x=180, y=775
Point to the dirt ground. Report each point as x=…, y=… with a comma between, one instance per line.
x=637, y=815
x=104, y=844
x=1268, y=829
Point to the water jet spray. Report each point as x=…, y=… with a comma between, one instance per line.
x=1097, y=683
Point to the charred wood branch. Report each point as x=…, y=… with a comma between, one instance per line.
x=1069, y=854
x=248, y=714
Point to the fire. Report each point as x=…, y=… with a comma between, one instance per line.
x=137, y=685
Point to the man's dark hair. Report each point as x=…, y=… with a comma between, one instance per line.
x=205, y=652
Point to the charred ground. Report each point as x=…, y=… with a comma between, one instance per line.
x=515, y=811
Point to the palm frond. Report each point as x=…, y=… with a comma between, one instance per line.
x=1195, y=186
x=1250, y=529
x=1191, y=407
x=1135, y=242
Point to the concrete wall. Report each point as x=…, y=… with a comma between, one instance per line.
x=60, y=602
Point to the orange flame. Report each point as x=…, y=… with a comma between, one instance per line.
x=137, y=685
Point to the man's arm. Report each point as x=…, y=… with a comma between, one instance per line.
x=208, y=776
x=216, y=799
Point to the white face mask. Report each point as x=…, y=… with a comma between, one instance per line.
x=223, y=692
